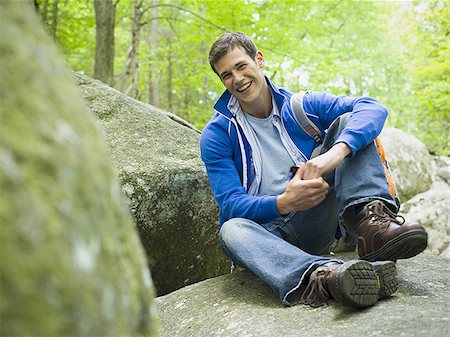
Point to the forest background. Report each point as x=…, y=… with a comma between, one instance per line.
x=157, y=51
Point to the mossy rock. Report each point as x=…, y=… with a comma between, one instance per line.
x=158, y=163
x=71, y=260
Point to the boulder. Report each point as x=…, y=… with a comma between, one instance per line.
x=432, y=208
x=441, y=169
x=409, y=161
x=158, y=162
x=71, y=260
x=240, y=305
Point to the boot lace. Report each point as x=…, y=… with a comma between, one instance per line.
x=380, y=213
x=316, y=293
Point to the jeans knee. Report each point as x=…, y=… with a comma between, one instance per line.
x=227, y=236
x=228, y=229
x=236, y=231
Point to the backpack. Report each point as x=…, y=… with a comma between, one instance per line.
x=313, y=131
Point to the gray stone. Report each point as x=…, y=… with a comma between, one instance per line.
x=164, y=181
x=441, y=169
x=432, y=208
x=409, y=160
x=71, y=260
x=240, y=305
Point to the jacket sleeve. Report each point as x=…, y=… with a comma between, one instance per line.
x=365, y=122
x=234, y=202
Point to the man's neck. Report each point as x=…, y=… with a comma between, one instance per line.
x=262, y=108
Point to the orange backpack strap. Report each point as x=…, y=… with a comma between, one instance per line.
x=387, y=172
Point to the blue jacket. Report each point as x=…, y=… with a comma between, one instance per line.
x=228, y=154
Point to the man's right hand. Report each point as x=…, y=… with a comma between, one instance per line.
x=301, y=195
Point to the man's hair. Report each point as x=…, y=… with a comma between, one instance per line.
x=227, y=42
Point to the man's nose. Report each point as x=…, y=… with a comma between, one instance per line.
x=238, y=76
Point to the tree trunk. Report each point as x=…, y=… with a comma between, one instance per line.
x=129, y=80
x=54, y=18
x=104, y=41
x=202, y=60
x=169, y=77
x=44, y=13
x=153, y=80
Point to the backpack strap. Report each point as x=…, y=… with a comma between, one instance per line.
x=302, y=119
x=387, y=170
x=313, y=131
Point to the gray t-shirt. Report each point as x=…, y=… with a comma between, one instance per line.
x=275, y=159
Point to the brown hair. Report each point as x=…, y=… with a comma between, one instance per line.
x=228, y=41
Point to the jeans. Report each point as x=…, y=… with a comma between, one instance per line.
x=284, y=252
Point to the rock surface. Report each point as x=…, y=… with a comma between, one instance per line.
x=164, y=180
x=71, y=260
x=432, y=208
x=409, y=160
x=240, y=305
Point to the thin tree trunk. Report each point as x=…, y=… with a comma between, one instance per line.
x=104, y=41
x=54, y=18
x=129, y=80
x=202, y=60
x=44, y=13
x=169, y=77
x=153, y=80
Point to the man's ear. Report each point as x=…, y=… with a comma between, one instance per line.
x=260, y=59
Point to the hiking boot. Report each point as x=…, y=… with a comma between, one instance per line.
x=355, y=283
x=384, y=235
x=387, y=278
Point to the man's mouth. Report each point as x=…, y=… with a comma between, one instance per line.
x=244, y=87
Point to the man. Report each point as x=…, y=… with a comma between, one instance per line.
x=275, y=225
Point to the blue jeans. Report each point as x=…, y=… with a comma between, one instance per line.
x=283, y=253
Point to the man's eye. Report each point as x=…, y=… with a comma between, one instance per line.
x=242, y=66
x=227, y=76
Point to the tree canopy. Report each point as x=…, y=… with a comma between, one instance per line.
x=395, y=51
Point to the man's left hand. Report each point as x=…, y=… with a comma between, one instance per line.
x=326, y=162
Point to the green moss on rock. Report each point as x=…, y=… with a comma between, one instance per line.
x=72, y=263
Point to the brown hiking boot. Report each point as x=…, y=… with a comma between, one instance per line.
x=355, y=283
x=384, y=235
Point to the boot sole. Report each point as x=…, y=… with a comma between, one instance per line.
x=387, y=278
x=404, y=246
x=355, y=283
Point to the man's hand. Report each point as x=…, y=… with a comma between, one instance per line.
x=307, y=188
x=301, y=194
x=327, y=162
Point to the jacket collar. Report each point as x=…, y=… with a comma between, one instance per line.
x=222, y=104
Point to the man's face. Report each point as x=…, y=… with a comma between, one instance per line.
x=242, y=75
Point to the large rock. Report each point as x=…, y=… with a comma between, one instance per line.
x=241, y=305
x=432, y=208
x=164, y=180
x=409, y=160
x=71, y=260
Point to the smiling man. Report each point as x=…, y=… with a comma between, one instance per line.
x=276, y=224
x=244, y=79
